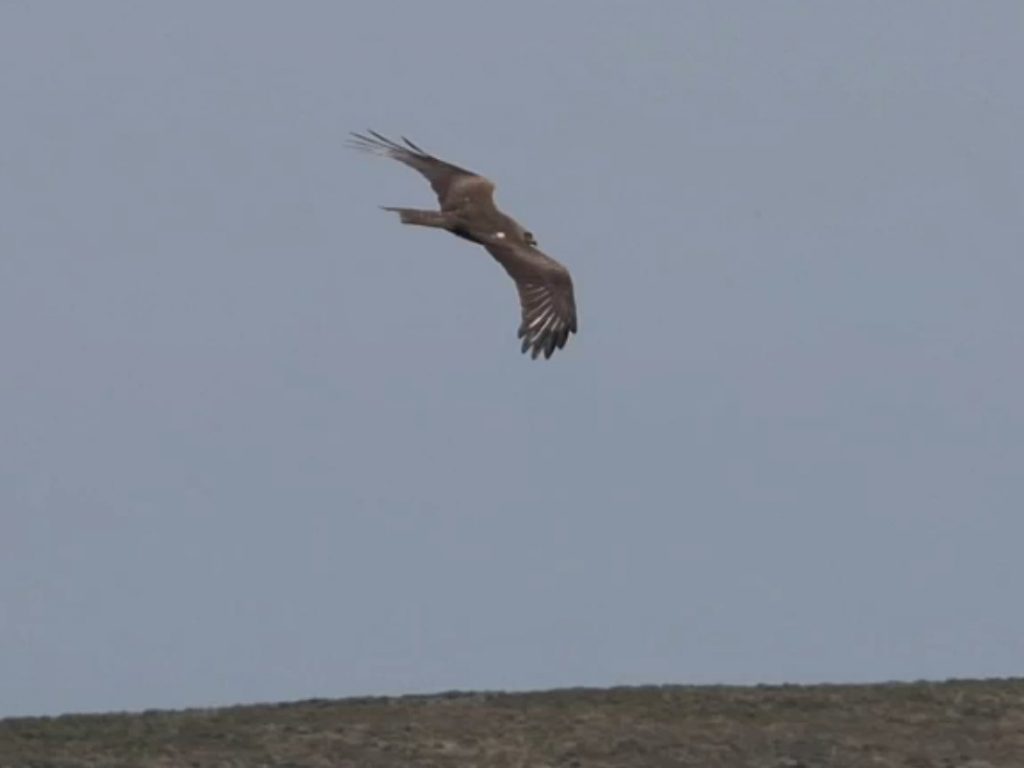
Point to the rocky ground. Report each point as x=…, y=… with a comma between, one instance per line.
x=955, y=724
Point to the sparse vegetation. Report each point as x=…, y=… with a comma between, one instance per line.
x=956, y=724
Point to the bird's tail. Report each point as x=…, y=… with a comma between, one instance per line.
x=421, y=218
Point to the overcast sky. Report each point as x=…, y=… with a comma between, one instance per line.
x=258, y=441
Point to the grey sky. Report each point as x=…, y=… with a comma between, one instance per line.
x=260, y=442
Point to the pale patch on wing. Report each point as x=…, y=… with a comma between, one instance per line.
x=537, y=320
x=549, y=316
x=472, y=185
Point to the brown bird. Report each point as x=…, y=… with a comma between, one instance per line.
x=468, y=210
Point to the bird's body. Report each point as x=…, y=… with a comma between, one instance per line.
x=467, y=210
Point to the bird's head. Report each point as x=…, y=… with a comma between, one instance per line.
x=530, y=239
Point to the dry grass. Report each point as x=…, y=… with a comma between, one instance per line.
x=969, y=724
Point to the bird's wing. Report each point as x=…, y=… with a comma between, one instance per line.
x=545, y=296
x=444, y=177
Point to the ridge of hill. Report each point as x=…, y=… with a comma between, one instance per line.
x=951, y=724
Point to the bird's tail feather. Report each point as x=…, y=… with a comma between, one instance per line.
x=422, y=218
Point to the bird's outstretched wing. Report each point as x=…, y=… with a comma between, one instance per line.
x=545, y=296
x=445, y=178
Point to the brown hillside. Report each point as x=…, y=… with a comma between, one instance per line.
x=968, y=724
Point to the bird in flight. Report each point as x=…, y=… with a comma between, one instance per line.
x=467, y=210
